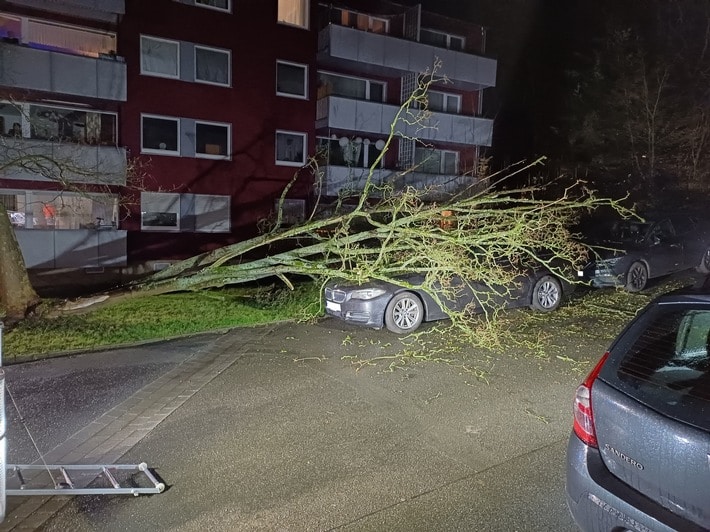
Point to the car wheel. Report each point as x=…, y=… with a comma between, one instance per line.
x=636, y=277
x=546, y=294
x=704, y=266
x=404, y=313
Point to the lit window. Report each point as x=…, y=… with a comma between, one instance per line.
x=212, y=65
x=293, y=12
x=159, y=57
x=290, y=148
x=291, y=79
x=222, y=5
x=160, y=135
x=212, y=141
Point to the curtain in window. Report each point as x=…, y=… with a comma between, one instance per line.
x=75, y=39
x=159, y=57
x=293, y=12
x=289, y=148
x=212, y=66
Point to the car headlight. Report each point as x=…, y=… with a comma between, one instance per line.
x=610, y=262
x=367, y=293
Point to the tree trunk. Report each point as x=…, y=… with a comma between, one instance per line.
x=16, y=293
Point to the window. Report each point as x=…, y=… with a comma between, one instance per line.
x=357, y=152
x=441, y=39
x=444, y=102
x=72, y=125
x=160, y=57
x=433, y=161
x=201, y=213
x=293, y=12
x=349, y=87
x=361, y=21
x=291, y=79
x=223, y=5
x=38, y=209
x=160, y=211
x=212, y=141
x=212, y=65
x=290, y=148
x=160, y=135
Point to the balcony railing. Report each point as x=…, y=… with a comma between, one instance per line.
x=31, y=68
x=336, y=112
x=343, y=47
x=77, y=248
x=103, y=10
x=42, y=160
x=337, y=180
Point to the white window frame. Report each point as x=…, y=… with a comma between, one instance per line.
x=228, y=9
x=368, y=82
x=167, y=198
x=177, y=57
x=446, y=97
x=306, y=12
x=305, y=148
x=441, y=153
x=228, y=53
x=155, y=151
x=448, y=38
x=303, y=96
x=228, y=127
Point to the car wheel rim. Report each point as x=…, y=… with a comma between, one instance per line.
x=405, y=314
x=548, y=295
x=638, y=277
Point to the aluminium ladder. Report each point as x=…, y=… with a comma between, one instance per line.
x=114, y=479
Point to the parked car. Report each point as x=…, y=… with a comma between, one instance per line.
x=402, y=310
x=639, y=454
x=631, y=252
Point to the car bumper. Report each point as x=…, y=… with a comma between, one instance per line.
x=368, y=313
x=601, y=277
x=600, y=502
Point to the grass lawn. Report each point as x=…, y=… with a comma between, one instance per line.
x=159, y=317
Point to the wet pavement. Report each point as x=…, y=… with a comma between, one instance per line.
x=276, y=428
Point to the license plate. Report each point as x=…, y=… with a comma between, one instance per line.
x=332, y=306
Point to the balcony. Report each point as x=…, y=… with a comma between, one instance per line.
x=101, y=165
x=30, y=68
x=100, y=10
x=341, y=47
x=336, y=112
x=344, y=179
x=77, y=248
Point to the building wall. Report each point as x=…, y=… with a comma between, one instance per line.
x=250, y=105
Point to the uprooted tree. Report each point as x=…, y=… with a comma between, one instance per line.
x=481, y=233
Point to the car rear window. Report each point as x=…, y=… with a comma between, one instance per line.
x=667, y=365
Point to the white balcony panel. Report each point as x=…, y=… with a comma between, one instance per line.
x=346, y=180
x=103, y=165
x=100, y=10
x=343, y=47
x=77, y=248
x=375, y=118
x=31, y=68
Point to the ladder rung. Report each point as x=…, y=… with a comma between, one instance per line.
x=110, y=478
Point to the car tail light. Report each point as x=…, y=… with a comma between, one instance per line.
x=583, y=413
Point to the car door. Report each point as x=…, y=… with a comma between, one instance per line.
x=664, y=249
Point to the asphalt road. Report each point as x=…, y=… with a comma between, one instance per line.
x=290, y=435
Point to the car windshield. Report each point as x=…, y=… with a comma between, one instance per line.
x=628, y=231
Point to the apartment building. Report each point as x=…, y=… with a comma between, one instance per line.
x=178, y=123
